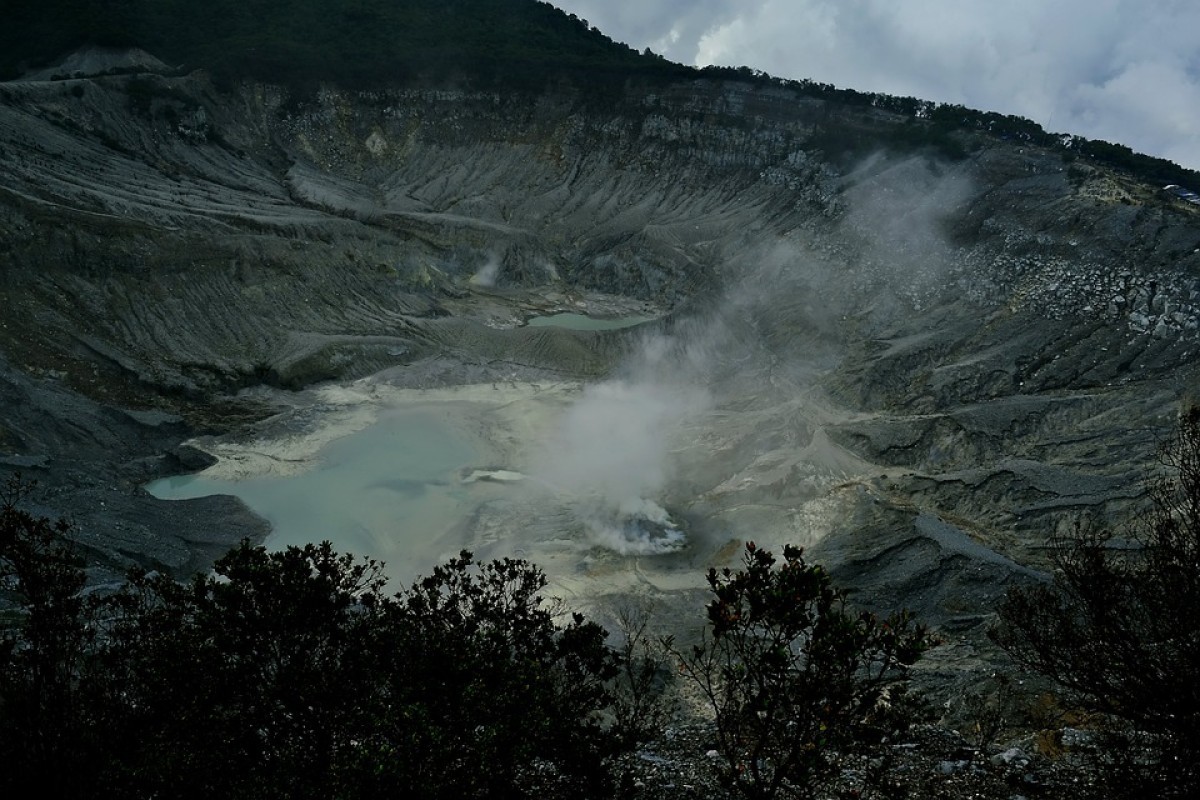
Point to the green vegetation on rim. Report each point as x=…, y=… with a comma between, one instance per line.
x=357, y=43
x=513, y=44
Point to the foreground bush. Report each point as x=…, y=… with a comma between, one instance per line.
x=792, y=674
x=1120, y=628
x=291, y=674
x=45, y=641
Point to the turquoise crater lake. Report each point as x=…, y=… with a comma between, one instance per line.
x=391, y=491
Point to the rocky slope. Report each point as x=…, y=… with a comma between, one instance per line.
x=924, y=368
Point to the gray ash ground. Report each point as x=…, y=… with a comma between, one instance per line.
x=927, y=762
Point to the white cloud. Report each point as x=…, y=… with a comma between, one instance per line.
x=1126, y=71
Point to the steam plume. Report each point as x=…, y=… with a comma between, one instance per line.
x=612, y=452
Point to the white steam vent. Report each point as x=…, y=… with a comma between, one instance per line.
x=611, y=458
x=640, y=527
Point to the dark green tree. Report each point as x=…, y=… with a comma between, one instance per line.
x=524, y=693
x=792, y=674
x=253, y=681
x=45, y=642
x=1120, y=625
x=292, y=674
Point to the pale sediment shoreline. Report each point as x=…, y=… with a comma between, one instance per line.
x=499, y=420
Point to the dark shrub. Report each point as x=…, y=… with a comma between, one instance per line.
x=1120, y=625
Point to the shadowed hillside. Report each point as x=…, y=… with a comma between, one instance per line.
x=359, y=44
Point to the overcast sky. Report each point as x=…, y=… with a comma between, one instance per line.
x=1126, y=71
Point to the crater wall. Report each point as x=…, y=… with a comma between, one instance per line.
x=908, y=346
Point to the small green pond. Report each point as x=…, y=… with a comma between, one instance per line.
x=582, y=322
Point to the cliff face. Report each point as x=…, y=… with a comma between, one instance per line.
x=1002, y=336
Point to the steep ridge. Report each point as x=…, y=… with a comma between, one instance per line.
x=925, y=368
